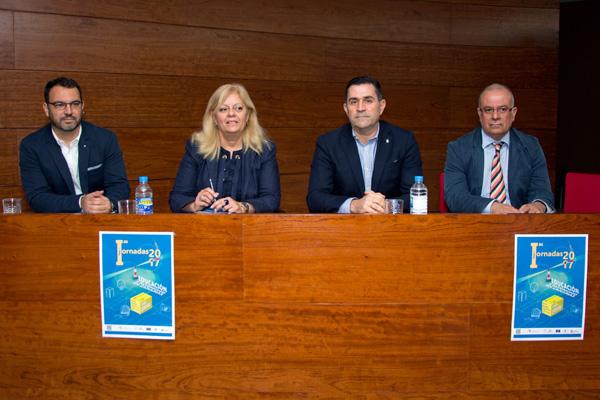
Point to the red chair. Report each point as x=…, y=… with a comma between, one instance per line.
x=582, y=193
x=443, y=207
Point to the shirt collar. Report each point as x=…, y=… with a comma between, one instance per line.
x=62, y=143
x=355, y=135
x=487, y=140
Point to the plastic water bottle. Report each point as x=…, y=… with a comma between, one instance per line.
x=143, y=197
x=418, y=197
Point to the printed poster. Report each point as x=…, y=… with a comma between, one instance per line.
x=549, y=287
x=137, y=288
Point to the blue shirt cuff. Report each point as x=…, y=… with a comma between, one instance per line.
x=345, y=207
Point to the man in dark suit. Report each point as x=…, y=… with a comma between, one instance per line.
x=496, y=168
x=356, y=167
x=69, y=165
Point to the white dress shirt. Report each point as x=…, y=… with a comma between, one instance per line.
x=70, y=152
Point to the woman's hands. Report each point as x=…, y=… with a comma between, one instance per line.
x=229, y=205
x=203, y=199
x=208, y=198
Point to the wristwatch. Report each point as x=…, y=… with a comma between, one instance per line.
x=246, y=207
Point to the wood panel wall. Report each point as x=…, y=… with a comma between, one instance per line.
x=147, y=69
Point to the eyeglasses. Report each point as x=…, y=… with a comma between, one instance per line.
x=237, y=108
x=60, y=106
x=499, y=110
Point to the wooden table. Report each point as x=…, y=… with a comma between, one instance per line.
x=292, y=306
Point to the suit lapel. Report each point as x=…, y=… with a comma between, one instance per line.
x=84, y=157
x=249, y=158
x=348, y=144
x=55, y=154
x=477, y=165
x=514, y=160
x=384, y=148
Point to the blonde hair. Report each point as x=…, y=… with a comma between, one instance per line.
x=207, y=140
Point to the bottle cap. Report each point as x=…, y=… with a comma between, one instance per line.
x=418, y=179
x=143, y=179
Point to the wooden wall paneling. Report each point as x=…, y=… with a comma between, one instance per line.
x=152, y=152
x=431, y=178
x=111, y=100
x=7, y=53
x=294, y=188
x=14, y=191
x=153, y=101
x=413, y=107
x=9, y=162
x=22, y=99
x=295, y=147
x=119, y=101
x=207, y=268
x=504, y=26
x=419, y=64
x=433, y=144
x=140, y=101
x=403, y=20
x=298, y=105
x=323, y=266
x=146, y=48
x=497, y=364
x=408, y=21
x=510, y=3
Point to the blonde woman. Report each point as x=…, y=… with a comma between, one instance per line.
x=229, y=165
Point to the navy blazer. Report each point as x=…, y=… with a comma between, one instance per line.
x=46, y=178
x=260, y=178
x=463, y=175
x=336, y=172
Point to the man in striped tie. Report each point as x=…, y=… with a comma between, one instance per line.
x=496, y=168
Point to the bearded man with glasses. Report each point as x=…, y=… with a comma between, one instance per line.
x=71, y=165
x=496, y=168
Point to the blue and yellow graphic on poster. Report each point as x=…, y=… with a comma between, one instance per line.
x=137, y=285
x=549, y=287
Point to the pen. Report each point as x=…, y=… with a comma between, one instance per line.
x=213, y=188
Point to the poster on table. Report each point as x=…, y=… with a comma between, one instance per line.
x=137, y=285
x=549, y=287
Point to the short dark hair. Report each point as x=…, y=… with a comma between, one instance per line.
x=361, y=80
x=61, y=81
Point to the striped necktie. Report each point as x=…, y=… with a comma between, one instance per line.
x=497, y=188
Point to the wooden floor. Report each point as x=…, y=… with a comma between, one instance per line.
x=292, y=306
